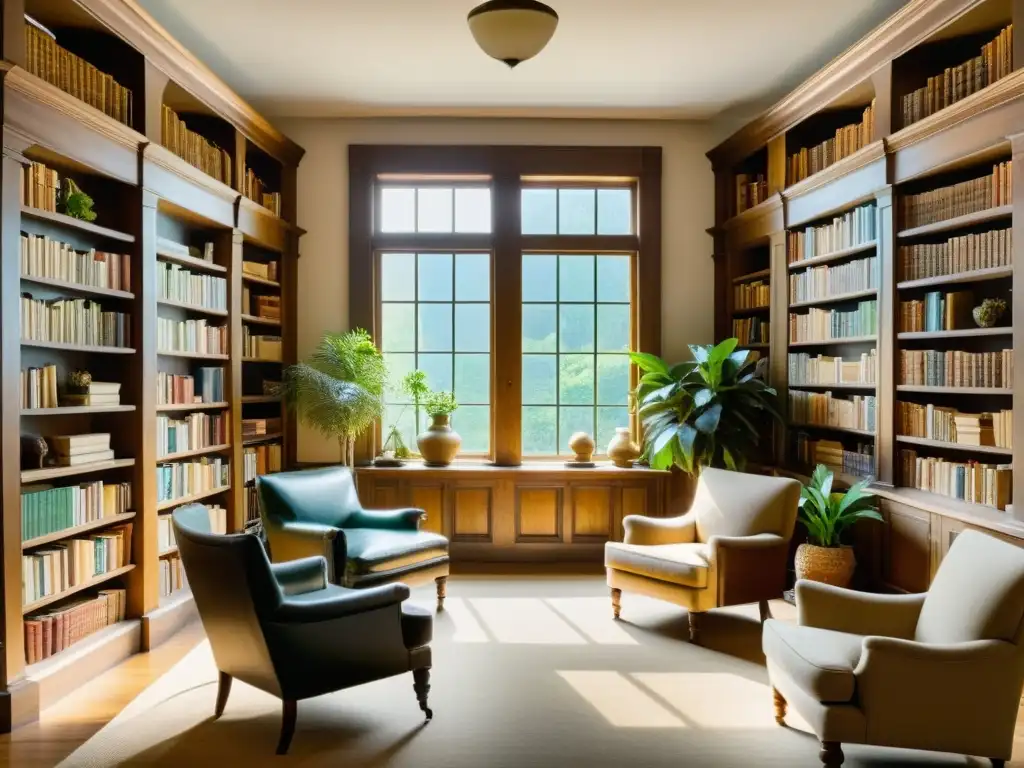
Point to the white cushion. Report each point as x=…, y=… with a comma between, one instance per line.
x=684, y=564
x=819, y=661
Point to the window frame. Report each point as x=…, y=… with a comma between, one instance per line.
x=508, y=169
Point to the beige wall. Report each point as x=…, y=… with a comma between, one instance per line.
x=687, y=200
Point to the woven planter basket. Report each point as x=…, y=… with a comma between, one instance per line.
x=829, y=565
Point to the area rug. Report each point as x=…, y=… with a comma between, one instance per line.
x=527, y=672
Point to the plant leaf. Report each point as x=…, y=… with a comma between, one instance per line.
x=703, y=397
x=700, y=353
x=648, y=362
x=708, y=421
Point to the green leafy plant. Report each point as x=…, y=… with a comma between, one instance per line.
x=75, y=203
x=704, y=412
x=395, y=442
x=414, y=384
x=441, y=403
x=827, y=515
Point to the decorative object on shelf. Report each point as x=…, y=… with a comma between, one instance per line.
x=79, y=382
x=34, y=450
x=394, y=449
x=74, y=202
x=582, y=445
x=439, y=443
x=989, y=312
x=622, y=450
x=512, y=31
x=826, y=516
x=339, y=391
x=704, y=412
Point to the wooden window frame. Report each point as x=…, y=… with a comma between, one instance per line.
x=509, y=168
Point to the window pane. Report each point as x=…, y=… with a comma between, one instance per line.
x=473, y=423
x=614, y=216
x=575, y=328
x=540, y=280
x=576, y=278
x=398, y=366
x=540, y=432
x=612, y=379
x=613, y=278
x=570, y=421
x=434, y=212
x=608, y=419
x=473, y=379
x=575, y=211
x=435, y=277
x=539, y=379
x=472, y=277
x=397, y=209
x=576, y=379
x=404, y=417
x=539, y=211
x=438, y=369
x=612, y=327
x=398, y=327
x=473, y=210
x=472, y=327
x=539, y=329
x=435, y=327
x=398, y=277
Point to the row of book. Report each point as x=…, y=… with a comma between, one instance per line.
x=261, y=305
x=51, y=631
x=175, y=283
x=189, y=433
x=751, y=295
x=751, y=330
x=260, y=427
x=251, y=504
x=956, y=368
x=194, y=149
x=59, y=567
x=73, y=321
x=751, y=189
x=994, y=62
x=826, y=369
x=825, y=281
x=207, y=386
x=967, y=197
x=71, y=73
x=265, y=270
x=179, y=479
x=39, y=387
x=42, y=256
x=262, y=459
x=39, y=187
x=859, y=461
x=96, y=394
x=254, y=189
x=191, y=336
x=848, y=230
x=966, y=253
x=263, y=346
x=172, y=576
x=827, y=324
x=165, y=526
x=847, y=140
x=948, y=425
x=46, y=510
x=938, y=311
x=76, y=450
x=822, y=409
x=972, y=481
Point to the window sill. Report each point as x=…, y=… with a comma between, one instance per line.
x=537, y=468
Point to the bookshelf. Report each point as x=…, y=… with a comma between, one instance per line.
x=162, y=261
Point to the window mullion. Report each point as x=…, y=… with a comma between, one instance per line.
x=506, y=328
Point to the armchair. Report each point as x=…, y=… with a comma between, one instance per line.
x=283, y=629
x=317, y=512
x=729, y=549
x=941, y=671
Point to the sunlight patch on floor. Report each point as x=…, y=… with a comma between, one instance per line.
x=713, y=699
x=525, y=620
x=593, y=617
x=619, y=700
x=467, y=628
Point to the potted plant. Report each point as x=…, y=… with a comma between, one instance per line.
x=439, y=443
x=826, y=516
x=339, y=390
x=394, y=449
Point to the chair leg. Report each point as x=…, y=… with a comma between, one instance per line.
x=223, y=689
x=998, y=762
x=421, y=684
x=765, y=609
x=616, y=602
x=694, y=620
x=288, y=713
x=442, y=591
x=831, y=754
x=780, y=707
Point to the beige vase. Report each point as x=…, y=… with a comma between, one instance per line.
x=622, y=450
x=829, y=565
x=439, y=443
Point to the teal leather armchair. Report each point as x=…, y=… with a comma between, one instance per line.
x=284, y=629
x=317, y=512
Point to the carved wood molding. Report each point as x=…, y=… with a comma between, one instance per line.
x=764, y=208
x=862, y=157
x=163, y=158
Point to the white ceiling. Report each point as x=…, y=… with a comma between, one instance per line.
x=609, y=58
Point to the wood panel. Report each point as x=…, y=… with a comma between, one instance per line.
x=907, y=547
x=592, y=512
x=635, y=501
x=430, y=498
x=385, y=496
x=472, y=511
x=539, y=514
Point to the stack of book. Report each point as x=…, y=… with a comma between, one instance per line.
x=262, y=346
x=172, y=248
x=988, y=484
x=261, y=459
x=172, y=576
x=73, y=321
x=751, y=295
x=194, y=431
x=264, y=270
x=175, y=283
x=929, y=421
x=260, y=427
x=956, y=368
x=991, y=191
x=824, y=369
x=101, y=393
x=75, y=450
x=186, y=478
x=856, y=412
x=966, y=253
x=832, y=453
x=54, y=630
x=191, y=336
x=938, y=312
x=254, y=189
x=846, y=141
x=751, y=190
x=40, y=187
x=206, y=387
x=974, y=429
x=45, y=509
x=261, y=305
x=54, y=260
x=39, y=387
x=823, y=282
x=194, y=149
x=827, y=324
x=59, y=567
x=851, y=229
x=751, y=330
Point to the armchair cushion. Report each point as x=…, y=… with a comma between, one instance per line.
x=819, y=661
x=372, y=550
x=683, y=564
x=298, y=577
x=739, y=504
x=417, y=626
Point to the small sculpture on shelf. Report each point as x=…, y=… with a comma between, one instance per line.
x=622, y=450
x=582, y=445
x=74, y=202
x=989, y=312
x=79, y=382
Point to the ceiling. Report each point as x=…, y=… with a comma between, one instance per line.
x=684, y=59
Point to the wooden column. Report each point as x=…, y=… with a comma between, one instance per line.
x=778, y=345
x=232, y=243
x=881, y=79
x=155, y=85
x=507, y=338
x=13, y=25
x=777, y=164
x=887, y=353
x=1017, y=310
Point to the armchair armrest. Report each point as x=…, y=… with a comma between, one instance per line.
x=293, y=540
x=296, y=577
x=859, y=613
x=408, y=519
x=336, y=604
x=649, y=531
x=758, y=541
x=749, y=568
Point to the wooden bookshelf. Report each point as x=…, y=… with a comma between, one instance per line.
x=828, y=258
x=977, y=275
x=200, y=496
x=178, y=407
x=72, y=223
x=193, y=452
x=831, y=428
x=77, y=288
x=960, y=334
x=190, y=261
x=960, y=222
x=753, y=276
x=833, y=386
x=77, y=530
x=262, y=438
x=53, y=473
x=260, y=280
x=192, y=308
x=831, y=342
x=250, y=399
x=84, y=348
x=835, y=298
x=949, y=446
x=74, y=410
x=78, y=588
x=192, y=355
x=260, y=320
x=955, y=390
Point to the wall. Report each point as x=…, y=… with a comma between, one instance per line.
x=687, y=201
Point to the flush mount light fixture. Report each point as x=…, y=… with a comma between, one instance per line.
x=512, y=30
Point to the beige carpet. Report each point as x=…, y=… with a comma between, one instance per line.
x=527, y=672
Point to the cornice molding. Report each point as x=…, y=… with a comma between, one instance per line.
x=163, y=158
x=872, y=153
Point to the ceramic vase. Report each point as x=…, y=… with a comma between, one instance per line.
x=439, y=443
x=622, y=450
x=583, y=446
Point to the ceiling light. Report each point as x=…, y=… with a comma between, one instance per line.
x=512, y=30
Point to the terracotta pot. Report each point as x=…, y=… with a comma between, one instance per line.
x=439, y=443
x=622, y=450
x=829, y=565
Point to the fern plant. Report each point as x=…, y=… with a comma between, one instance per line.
x=75, y=203
x=827, y=515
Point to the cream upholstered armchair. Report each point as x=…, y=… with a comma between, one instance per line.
x=729, y=549
x=940, y=671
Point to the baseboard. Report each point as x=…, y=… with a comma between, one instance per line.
x=174, y=612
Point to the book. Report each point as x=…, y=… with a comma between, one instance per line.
x=847, y=140
x=847, y=230
x=73, y=321
x=828, y=280
x=45, y=257
x=79, y=459
x=71, y=444
x=751, y=190
x=198, y=336
x=194, y=148
x=39, y=387
x=176, y=283
x=90, y=400
x=973, y=196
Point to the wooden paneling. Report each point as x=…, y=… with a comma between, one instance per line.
x=385, y=496
x=539, y=514
x=907, y=547
x=472, y=509
x=592, y=512
x=430, y=498
x=635, y=501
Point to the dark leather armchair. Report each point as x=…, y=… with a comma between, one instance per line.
x=317, y=512
x=285, y=630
